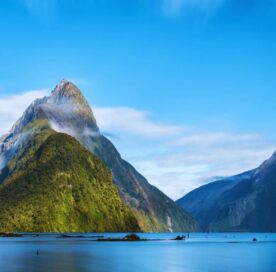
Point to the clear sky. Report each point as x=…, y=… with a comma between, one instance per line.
x=186, y=89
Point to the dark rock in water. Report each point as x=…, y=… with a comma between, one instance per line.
x=128, y=238
x=179, y=238
x=254, y=240
x=132, y=237
x=8, y=234
x=65, y=236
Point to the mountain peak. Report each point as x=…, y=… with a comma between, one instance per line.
x=64, y=81
x=66, y=110
x=266, y=165
x=67, y=107
x=66, y=90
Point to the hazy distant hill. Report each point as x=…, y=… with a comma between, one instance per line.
x=246, y=202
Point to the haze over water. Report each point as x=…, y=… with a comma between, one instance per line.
x=201, y=252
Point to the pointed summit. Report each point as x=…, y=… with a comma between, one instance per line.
x=67, y=91
x=67, y=108
x=67, y=97
x=66, y=88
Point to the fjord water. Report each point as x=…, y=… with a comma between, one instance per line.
x=200, y=252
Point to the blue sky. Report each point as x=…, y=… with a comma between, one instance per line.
x=186, y=87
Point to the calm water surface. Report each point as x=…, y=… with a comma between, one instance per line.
x=201, y=252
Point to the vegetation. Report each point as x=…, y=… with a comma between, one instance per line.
x=35, y=133
x=63, y=188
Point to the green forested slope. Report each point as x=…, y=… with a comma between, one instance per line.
x=63, y=188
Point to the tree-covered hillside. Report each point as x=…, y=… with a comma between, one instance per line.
x=63, y=188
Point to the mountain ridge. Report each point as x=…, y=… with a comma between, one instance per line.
x=245, y=202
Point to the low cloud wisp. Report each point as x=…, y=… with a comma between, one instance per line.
x=13, y=106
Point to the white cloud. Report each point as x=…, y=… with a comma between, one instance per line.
x=207, y=138
x=12, y=107
x=128, y=120
x=185, y=167
x=176, y=159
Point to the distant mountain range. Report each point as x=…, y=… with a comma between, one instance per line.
x=59, y=173
x=246, y=202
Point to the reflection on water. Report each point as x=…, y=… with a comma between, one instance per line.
x=201, y=252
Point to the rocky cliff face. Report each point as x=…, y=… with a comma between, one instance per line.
x=246, y=202
x=67, y=111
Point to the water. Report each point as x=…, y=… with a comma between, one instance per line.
x=201, y=252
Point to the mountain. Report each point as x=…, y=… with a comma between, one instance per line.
x=67, y=111
x=63, y=188
x=246, y=202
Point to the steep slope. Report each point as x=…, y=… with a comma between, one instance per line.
x=242, y=203
x=63, y=188
x=153, y=209
x=67, y=111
